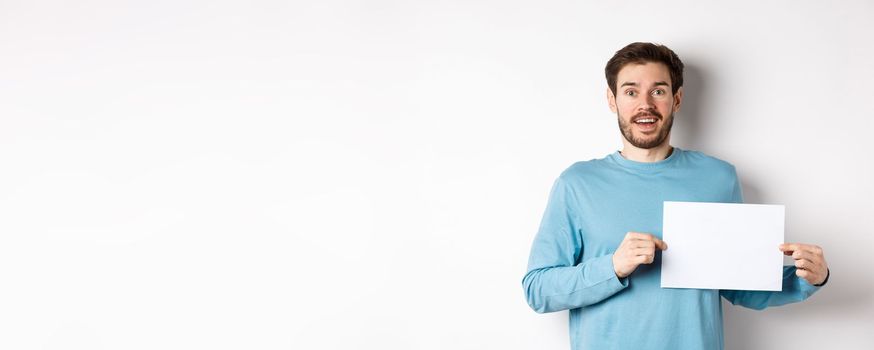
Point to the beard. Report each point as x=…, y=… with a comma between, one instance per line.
x=646, y=142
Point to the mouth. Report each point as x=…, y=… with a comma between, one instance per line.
x=646, y=122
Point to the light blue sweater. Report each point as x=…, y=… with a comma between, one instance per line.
x=591, y=207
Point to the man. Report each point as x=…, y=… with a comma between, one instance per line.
x=597, y=252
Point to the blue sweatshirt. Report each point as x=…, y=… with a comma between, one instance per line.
x=592, y=205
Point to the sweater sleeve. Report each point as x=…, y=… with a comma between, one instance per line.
x=554, y=280
x=795, y=289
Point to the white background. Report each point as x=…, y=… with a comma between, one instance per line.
x=370, y=174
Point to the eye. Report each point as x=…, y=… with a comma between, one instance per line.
x=631, y=93
x=658, y=92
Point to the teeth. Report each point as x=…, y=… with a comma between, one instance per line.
x=647, y=120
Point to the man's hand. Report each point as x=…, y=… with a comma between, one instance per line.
x=636, y=248
x=809, y=261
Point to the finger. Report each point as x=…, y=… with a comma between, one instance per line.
x=643, y=244
x=788, y=248
x=805, y=264
x=809, y=276
x=644, y=259
x=814, y=249
x=639, y=235
x=660, y=243
x=643, y=251
x=803, y=254
x=649, y=237
x=810, y=248
x=798, y=254
x=805, y=274
x=784, y=247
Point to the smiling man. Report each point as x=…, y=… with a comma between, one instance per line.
x=597, y=252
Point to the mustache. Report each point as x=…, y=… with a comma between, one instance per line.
x=647, y=113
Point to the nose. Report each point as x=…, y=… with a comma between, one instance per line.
x=647, y=103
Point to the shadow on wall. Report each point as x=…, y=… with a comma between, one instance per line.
x=688, y=121
x=748, y=329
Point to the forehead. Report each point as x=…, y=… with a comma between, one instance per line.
x=646, y=73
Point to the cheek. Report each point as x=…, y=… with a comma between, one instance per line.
x=625, y=108
x=666, y=106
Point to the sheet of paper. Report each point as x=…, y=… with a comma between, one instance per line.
x=722, y=246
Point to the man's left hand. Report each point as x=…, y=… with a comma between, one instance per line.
x=809, y=261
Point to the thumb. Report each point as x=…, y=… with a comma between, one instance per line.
x=661, y=244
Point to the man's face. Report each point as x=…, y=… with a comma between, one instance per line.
x=644, y=104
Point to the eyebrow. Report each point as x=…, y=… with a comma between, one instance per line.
x=631, y=83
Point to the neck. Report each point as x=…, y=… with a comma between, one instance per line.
x=651, y=155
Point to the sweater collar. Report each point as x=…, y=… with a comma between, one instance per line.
x=625, y=163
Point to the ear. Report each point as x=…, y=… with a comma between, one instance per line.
x=611, y=100
x=678, y=99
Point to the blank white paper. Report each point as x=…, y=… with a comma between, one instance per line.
x=722, y=246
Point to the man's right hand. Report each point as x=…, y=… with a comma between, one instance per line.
x=637, y=248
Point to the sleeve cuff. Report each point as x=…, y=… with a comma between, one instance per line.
x=827, y=274
x=602, y=270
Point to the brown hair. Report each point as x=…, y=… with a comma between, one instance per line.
x=640, y=53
